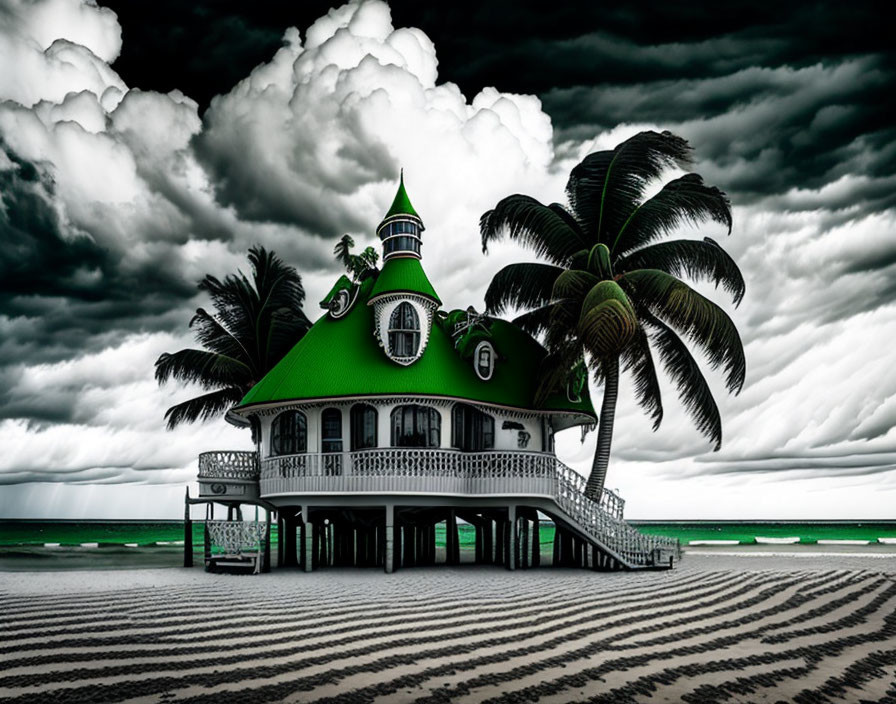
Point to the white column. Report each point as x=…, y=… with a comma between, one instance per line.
x=390, y=539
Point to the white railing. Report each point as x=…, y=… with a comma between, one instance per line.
x=411, y=470
x=440, y=471
x=430, y=471
x=228, y=464
x=606, y=528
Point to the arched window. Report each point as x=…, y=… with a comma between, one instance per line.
x=404, y=331
x=289, y=434
x=363, y=421
x=331, y=430
x=471, y=429
x=416, y=426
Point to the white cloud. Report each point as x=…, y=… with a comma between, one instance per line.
x=308, y=146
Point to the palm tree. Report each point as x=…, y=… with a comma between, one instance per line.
x=610, y=291
x=358, y=265
x=256, y=323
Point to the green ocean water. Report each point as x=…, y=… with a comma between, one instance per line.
x=100, y=545
x=146, y=534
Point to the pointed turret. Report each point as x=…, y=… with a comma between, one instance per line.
x=400, y=229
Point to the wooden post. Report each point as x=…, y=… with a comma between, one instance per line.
x=499, y=542
x=281, y=536
x=511, y=539
x=479, y=530
x=409, y=543
x=188, y=532
x=397, y=545
x=289, y=541
x=206, y=539
x=524, y=544
x=308, y=557
x=487, y=541
x=536, y=542
x=389, y=565
x=556, y=560
x=452, y=539
x=266, y=567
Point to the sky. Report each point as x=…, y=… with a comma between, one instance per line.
x=143, y=145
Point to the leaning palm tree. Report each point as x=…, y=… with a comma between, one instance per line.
x=256, y=323
x=610, y=291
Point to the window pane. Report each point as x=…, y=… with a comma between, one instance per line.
x=363, y=423
x=288, y=433
x=416, y=426
x=331, y=430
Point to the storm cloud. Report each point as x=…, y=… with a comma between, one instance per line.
x=142, y=147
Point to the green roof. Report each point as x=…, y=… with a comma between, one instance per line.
x=406, y=275
x=402, y=204
x=341, y=358
x=343, y=282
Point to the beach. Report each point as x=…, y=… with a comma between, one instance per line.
x=724, y=626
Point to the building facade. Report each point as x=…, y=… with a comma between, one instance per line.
x=392, y=420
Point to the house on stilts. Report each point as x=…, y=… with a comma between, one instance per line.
x=391, y=417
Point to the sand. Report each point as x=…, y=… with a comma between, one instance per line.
x=723, y=626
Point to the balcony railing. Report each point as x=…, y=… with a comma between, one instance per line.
x=449, y=472
x=427, y=471
x=229, y=464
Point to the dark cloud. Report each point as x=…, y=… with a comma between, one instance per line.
x=36, y=257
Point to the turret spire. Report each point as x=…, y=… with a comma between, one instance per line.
x=400, y=229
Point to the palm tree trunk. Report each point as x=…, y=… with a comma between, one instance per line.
x=595, y=485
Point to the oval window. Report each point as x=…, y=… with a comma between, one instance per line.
x=484, y=360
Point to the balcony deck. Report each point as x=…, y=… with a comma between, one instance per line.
x=536, y=479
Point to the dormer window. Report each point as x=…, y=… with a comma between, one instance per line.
x=404, y=332
x=484, y=360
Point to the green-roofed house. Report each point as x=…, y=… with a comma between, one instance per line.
x=391, y=417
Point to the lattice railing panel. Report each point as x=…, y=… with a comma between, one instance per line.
x=228, y=464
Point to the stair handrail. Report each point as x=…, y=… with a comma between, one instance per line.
x=606, y=526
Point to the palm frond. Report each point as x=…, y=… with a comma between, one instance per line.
x=211, y=334
x=698, y=318
x=607, y=321
x=682, y=201
x=203, y=407
x=284, y=329
x=536, y=321
x=573, y=283
x=554, y=371
x=526, y=285
x=695, y=394
x=691, y=258
x=606, y=186
x=343, y=251
x=638, y=359
x=277, y=285
x=549, y=234
x=208, y=369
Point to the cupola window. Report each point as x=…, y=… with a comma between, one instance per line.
x=404, y=331
x=400, y=236
x=416, y=426
x=289, y=434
